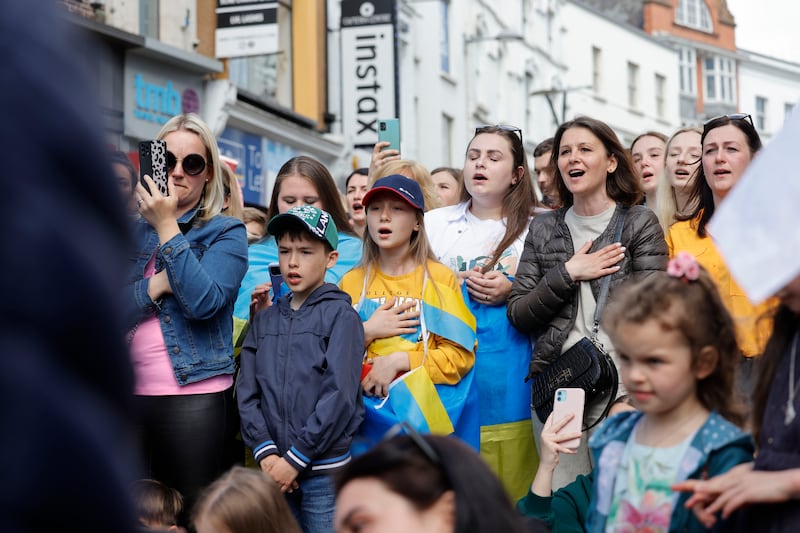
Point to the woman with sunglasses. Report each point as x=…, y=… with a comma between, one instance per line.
x=569, y=251
x=187, y=266
x=481, y=240
x=729, y=143
x=426, y=484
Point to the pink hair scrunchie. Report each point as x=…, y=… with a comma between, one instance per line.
x=684, y=266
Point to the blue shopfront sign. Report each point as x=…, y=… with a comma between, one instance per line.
x=259, y=158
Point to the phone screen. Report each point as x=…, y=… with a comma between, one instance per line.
x=276, y=278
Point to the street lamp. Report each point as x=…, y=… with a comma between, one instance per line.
x=548, y=93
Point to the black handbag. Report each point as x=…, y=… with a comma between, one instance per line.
x=585, y=365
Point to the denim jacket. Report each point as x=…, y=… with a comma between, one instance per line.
x=205, y=264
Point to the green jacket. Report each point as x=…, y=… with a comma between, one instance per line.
x=569, y=504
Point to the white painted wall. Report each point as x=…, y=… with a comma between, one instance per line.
x=776, y=80
x=582, y=29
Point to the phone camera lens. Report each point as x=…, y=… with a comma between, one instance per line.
x=383, y=126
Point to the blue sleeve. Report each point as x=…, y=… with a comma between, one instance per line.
x=255, y=432
x=340, y=393
x=203, y=287
x=259, y=256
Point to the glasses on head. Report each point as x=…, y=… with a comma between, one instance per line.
x=193, y=164
x=487, y=128
x=731, y=116
x=405, y=428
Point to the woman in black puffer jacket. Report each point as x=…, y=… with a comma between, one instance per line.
x=569, y=251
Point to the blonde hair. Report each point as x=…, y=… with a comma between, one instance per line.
x=415, y=171
x=214, y=190
x=231, y=187
x=245, y=500
x=666, y=202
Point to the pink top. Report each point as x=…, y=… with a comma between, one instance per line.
x=151, y=365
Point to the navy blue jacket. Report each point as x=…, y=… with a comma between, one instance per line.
x=299, y=388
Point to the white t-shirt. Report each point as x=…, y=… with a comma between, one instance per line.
x=582, y=229
x=462, y=241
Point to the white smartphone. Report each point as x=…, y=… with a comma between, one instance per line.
x=569, y=400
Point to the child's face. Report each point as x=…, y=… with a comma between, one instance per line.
x=656, y=367
x=391, y=221
x=303, y=262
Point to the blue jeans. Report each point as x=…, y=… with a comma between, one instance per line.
x=312, y=504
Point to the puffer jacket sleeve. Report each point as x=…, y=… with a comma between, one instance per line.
x=647, y=246
x=542, y=285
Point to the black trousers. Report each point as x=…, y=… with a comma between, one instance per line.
x=188, y=441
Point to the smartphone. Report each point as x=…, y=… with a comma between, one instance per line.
x=389, y=130
x=276, y=278
x=570, y=400
x=153, y=162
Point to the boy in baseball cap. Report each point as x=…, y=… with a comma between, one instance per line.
x=299, y=383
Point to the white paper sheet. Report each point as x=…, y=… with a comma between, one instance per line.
x=757, y=227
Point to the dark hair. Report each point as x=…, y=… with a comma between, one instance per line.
x=651, y=133
x=543, y=147
x=695, y=309
x=318, y=175
x=481, y=503
x=156, y=504
x=363, y=171
x=297, y=230
x=458, y=175
x=701, y=194
x=520, y=199
x=120, y=158
x=622, y=185
x=785, y=324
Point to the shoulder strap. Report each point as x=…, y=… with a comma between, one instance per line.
x=601, y=300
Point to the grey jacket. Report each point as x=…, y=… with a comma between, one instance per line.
x=544, y=299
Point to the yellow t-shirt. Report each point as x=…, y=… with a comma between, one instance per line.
x=753, y=322
x=446, y=362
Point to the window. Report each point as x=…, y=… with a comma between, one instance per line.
x=444, y=39
x=597, y=58
x=694, y=14
x=761, y=113
x=720, y=79
x=688, y=70
x=633, y=85
x=661, y=87
x=447, y=138
x=787, y=110
x=268, y=76
x=148, y=18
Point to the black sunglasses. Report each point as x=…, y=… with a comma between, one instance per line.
x=405, y=428
x=488, y=127
x=731, y=116
x=193, y=164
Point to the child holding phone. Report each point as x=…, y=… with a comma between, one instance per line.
x=677, y=351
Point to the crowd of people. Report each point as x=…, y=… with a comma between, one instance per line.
x=385, y=381
x=465, y=285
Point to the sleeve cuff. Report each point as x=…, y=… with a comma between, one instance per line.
x=297, y=459
x=264, y=449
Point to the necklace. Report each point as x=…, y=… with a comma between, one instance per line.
x=790, y=411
